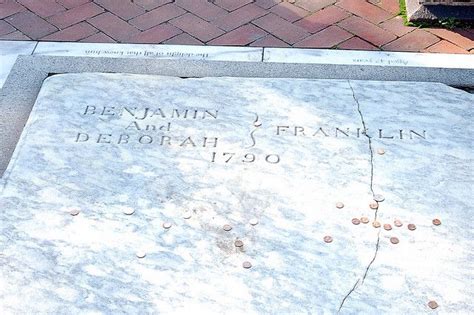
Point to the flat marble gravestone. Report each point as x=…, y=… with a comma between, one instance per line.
x=198, y=154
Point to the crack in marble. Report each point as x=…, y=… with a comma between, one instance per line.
x=347, y=295
x=361, y=280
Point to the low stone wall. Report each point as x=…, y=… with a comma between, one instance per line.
x=447, y=2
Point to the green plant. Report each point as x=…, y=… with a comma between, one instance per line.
x=450, y=23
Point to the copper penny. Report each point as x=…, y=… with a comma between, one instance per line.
x=433, y=305
x=339, y=205
x=140, y=254
x=397, y=223
x=128, y=211
x=187, y=215
x=327, y=239
x=166, y=225
x=394, y=240
x=381, y=151
x=411, y=227
x=436, y=221
x=364, y=220
x=227, y=227
x=238, y=243
x=376, y=224
x=74, y=212
x=355, y=221
x=374, y=205
x=387, y=227
x=379, y=198
x=247, y=264
x=253, y=221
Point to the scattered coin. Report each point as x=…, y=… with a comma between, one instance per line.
x=166, y=225
x=381, y=151
x=436, y=221
x=327, y=239
x=227, y=227
x=187, y=215
x=247, y=264
x=238, y=243
x=411, y=227
x=379, y=198
x=374, y=205
x=355, y=221
x=141, y=254
x=394, y=240
x=253, y=221
x=339, y=205
x=433, y=305
x=387, y=226
x=376, y=224
x=364, y=220
x=74, y=212
x=128, y=211
x=397, y=223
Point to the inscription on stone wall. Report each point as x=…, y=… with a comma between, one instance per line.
x=156, y=126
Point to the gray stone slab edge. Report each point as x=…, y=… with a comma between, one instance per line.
x=27, y=75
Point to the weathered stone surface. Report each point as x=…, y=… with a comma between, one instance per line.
x=172, y=255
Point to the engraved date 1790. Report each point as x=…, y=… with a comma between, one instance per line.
x=229, y=157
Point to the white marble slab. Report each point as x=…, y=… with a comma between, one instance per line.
x=186, y=52
x=368, y=58
x=245, y=149
x=9, y=51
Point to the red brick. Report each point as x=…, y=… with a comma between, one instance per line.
x=269, y=41
x=197, y=27
x=114, y=27
x=8, y=8
x=446, y=47
x=69, y=4
x=240, y=36
x=156, y=34
x=202, y=8
x=281, y=28
x=31, y=25
x=157, y=16
x=123, y=8
x=151, y=4
x=43, y=8
x=15, y=36
x=391, y=6
x=239, y=17
x=356, y=43
x=314, y=5
x=289, y=11
x=231, y=5
x=396, y=26
x=183, y=39
x=6, y=28
x=98, y=38
x=267, y=4
x=73, y=33
x=322, y=19
x=365, y=10
x=461, y=40
x=327, y=38
x=75, y=15
x=417, y=40
x=367, y=31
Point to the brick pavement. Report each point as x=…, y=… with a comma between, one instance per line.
x=339, y=24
